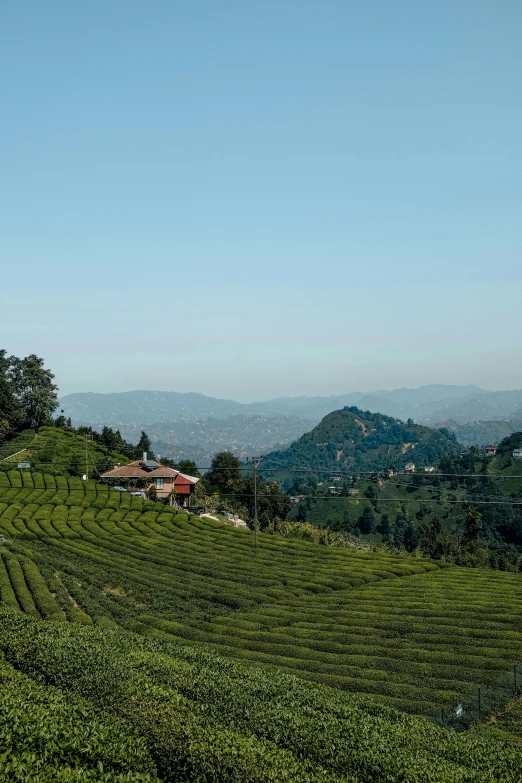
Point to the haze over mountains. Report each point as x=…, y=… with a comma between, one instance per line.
x=193, y=425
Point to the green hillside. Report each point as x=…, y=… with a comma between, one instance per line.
x=383, y=631
x=57, y=451
x=95, y=556
x=350, y=439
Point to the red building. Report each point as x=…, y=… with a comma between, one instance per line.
x=169, y=483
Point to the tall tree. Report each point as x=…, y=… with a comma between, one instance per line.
x=9, y=408
x=367, y=521
x=188, y=466
x=224, y=473
x=144, y=446
x=472, y=526
x=33, y=389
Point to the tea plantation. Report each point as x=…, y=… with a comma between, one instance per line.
x=203, y=718
x=400, y=632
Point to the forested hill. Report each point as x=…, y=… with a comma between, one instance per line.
x=356, y=440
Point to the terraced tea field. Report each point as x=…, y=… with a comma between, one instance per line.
x=115, y=707
x=405, y=631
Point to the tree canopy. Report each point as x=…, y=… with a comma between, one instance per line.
x=28, y=395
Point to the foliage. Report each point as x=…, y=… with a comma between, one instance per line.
x=27, y=394
x=224, y=473
x=50, y=737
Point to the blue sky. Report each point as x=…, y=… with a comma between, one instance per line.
x=249, y=199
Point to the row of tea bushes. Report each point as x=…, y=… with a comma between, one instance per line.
x=51, y=737
x=204, y=718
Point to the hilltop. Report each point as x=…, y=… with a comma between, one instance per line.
x=352, y=439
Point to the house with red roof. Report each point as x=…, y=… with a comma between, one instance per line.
x=170, y=483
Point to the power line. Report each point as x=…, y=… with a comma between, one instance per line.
x=420, y=501
x=378, y=472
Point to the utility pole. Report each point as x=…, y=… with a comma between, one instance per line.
x=86, y=457
x=255, y=462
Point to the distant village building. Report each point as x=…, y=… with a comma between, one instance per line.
x=490, y=451
x=353, y=491
x=170, y=484
x=410, y=466
x=517, y=453
x=296, y=498
x=334, y=491
x=429, y=469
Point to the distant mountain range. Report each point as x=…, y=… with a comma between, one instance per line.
x=181, y=424
x=485, y=433
x=200, y=439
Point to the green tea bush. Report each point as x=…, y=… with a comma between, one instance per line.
x=49, y=737
x=207, y=719
x=22, y=592
x=7, y=595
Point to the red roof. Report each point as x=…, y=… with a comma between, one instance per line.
x=183, y=483
x=135, y=470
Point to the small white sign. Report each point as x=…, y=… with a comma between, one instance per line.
x=459, y=710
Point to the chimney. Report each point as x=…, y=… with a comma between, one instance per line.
x=116, y=466
x=144, y=456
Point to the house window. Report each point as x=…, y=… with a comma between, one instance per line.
x=158, y=483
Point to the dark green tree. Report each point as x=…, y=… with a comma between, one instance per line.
x=225, y=474
x=144, y=446
x=367, y=521
x=411, y=537
x=301, y=513
x=272, y=502
x=472, y=526
x=189, y=467
x=384, y=527
x=33, y=389
x=371, y=492
x=430, y=540
x=10, y=414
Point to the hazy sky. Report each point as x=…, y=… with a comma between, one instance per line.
x=248, y=198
